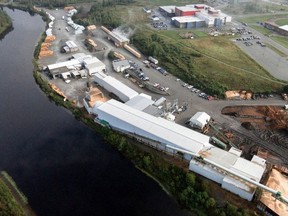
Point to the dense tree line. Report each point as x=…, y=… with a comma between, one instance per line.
x=63, y=3
x=8, y=205
x=177, y=60
x=102, y=13
x=190, y=191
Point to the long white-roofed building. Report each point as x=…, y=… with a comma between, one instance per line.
x=135, y=122
x=122, y=91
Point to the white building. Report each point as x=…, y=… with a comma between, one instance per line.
x=231, y=161
x=140, y=102
x=199, y=120
x=225, y=168
x=120, y=65
x=94, y=65
x=157, y=129
x=114, y=86
x=62, y=67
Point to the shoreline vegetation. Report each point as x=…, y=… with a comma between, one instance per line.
x=12, y=201
x=5, y=23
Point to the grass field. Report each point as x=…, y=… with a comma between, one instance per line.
x=281, y=40
x=222, y=62
x=281, y=22
x=255, y=19
x=261, y=29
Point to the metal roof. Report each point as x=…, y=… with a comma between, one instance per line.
x=186, y=9
x=284, y=27
x=185, y=19
x=200, y=119
x=168, y=9
x=113, y=85
x=63, y=64
x=155, y=128
x=249, y=169
x=140, y=102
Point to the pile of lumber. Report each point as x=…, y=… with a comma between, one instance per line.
x=49, y=39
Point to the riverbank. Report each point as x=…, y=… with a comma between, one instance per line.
x=5, y=24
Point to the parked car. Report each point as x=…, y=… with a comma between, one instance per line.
x=184, y=84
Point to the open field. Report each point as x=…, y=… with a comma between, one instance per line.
x=255, y=19
x=281, y=22
x=221, y=62
x=281, y=40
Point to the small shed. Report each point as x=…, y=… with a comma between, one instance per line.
x=120, y=65
x=199, y=120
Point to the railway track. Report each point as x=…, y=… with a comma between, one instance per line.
x=271, y=141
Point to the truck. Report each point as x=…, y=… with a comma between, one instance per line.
x=153, y=60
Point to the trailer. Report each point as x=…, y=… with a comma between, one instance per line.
x=153, y=60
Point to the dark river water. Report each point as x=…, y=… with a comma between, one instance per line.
x=60, y=164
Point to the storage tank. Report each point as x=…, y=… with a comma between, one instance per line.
x=218, y=143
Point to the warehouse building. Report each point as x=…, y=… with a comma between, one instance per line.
x=168, y=11
x=120, y=65
x=195, y=16
x=132, y=121
x=199, y=120
x=185, y=11
x=112, y=85
x=140, y=102
x=231, y=161
x=63, y=67
x=219, y=165
x=94, y=65
x=188, y=22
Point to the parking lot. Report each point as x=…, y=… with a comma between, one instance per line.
x=275, y=64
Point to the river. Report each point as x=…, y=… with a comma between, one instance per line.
x=62, y=166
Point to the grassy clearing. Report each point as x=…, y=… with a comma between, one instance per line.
x=220, y=64
x=281, y=22
x=262, y=30
x=200, y=34
x=281, y=40
x=255, y=19
x=276, y=50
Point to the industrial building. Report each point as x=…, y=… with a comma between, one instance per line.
x=70, y=46
x=120, y=65
x=168, y=11
x=199, y=120
x=57, y=69
x=94, y=65
x=186, y=11
x=283, y=30
x=123, y=92
x=140, y=102
x=207, y=160
x=160, y=131
x=188, y=22
x=195, y=16
x=230, y=161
